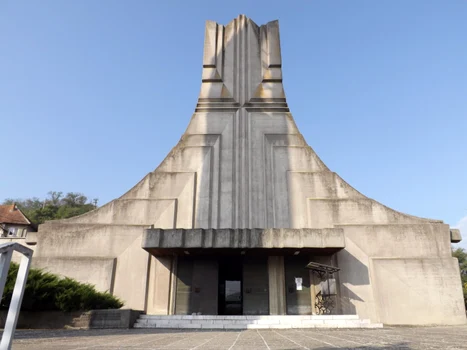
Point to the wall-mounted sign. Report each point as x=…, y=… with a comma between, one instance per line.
x=298, y=283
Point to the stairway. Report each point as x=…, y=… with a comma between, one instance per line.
x=253, y=322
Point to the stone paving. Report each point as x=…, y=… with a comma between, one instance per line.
x=385, y=338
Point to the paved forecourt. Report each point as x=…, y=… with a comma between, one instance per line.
x=454, y=337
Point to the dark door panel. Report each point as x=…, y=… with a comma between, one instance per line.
x=205, y=285
x=298, y=295
x=183, y=304
x=255, y=286
x=197, y=284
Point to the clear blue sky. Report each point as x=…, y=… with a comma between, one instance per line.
x=94, y=94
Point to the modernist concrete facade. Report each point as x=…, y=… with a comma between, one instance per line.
x=242, y=204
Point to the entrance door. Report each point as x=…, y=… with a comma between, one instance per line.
x=255, y=283
x=297, y=281
x=230, y=286
x=196, y=286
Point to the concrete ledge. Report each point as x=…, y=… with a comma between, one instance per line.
x=113, y=318
x=94, y=319
x=243, y=238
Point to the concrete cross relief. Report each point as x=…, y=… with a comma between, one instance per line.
x=242, y=79
x=230, y=168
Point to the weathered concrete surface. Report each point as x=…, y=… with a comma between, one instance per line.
x=109, y=256
x=416, y=338
x=159, y=286
x=390, y=273
x=414, y=284
x=243, y=164
x=96, y=270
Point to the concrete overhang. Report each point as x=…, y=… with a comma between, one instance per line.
x=456, y=236
x=206, y=241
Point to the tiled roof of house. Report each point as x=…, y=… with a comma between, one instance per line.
x=10, y=214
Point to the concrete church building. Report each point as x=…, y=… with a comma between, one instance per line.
x=243, y=218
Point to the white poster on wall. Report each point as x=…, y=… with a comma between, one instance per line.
x=298, y=283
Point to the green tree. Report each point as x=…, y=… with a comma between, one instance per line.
x=55, y=206
x=38, y=216
x=74, y=199
x=66, y=211
x=461, y=255
x=55, y=198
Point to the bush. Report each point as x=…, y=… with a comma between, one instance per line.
x=461, y=255
x=46, y=291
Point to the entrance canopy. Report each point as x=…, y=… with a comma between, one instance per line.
x=185, y=241
x=321, y=268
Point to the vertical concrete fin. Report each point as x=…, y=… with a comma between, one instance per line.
x=220, y=50
x=274, y=47
x=210, y=39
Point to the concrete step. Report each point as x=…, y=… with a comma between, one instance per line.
x=248, y=317
x=253, y=322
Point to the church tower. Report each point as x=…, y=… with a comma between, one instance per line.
x=242, y=205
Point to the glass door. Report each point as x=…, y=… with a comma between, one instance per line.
x=233, y=298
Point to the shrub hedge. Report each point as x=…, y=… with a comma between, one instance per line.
x=46, y=291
